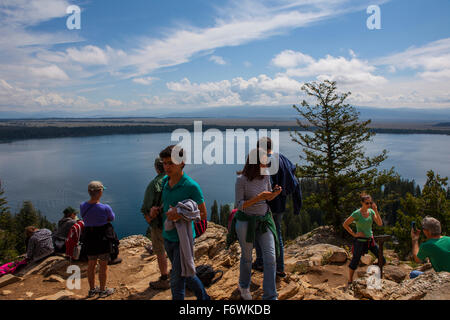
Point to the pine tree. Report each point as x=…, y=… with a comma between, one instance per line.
x=225, y=211
x=7, y=236
x=214, y=213
x=334, y=152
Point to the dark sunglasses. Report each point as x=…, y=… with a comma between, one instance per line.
x=368, y=203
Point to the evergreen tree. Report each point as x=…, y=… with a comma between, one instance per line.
x=7, y=236
x=334, y=152
x=225, y=211
x=215, y=213
x=433, y=202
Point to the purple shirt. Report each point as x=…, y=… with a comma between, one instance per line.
x=96, y=215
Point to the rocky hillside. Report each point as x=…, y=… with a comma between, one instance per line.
x=316, y=264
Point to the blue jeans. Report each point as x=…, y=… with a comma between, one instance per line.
x=267, y=243
x=415, y=274
x=177, y=282
x=278, y=218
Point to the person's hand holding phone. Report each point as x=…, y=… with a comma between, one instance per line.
x=415, y=234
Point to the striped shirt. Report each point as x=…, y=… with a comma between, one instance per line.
x=246, y=190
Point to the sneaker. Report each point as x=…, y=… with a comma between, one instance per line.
x=257, y=267
x=161, y=284
x=93, y=292
x=245, y=293
x=105, y=293
x=149, y=249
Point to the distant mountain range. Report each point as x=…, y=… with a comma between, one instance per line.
x=246, y=112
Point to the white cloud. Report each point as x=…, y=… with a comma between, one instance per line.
x=261, y=90
x=217, y=59
x=50, y=72
x=351, y=71
x=145, y=80
x=290, y=59
x=87, y=55
x=431, y=60
x=113, y=103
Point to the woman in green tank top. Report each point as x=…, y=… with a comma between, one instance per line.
x=363, y=242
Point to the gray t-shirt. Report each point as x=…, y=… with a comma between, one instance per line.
x=246, y=190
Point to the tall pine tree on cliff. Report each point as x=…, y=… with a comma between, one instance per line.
x=334, y=152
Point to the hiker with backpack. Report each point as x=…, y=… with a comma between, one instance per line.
x=253, y=222
x=363, y=237
x=286, y=179
x=99, y=237
x=152, y=198
x=64, y=226
x=178, y=187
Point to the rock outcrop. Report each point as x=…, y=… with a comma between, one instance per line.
x=316, y=265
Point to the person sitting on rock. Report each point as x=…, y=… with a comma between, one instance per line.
x=152, y=198
x=98, y=237
x=39, y=243
x=64, y=225
x=364, y=241
x=436, y=248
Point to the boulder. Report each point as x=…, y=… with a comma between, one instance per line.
x=54, y=278
x=366, y=260
x=394, y=273
x=321, y=254
x=430, y=285
x=134, y=241
x=6, y=292
x=8, y=279
x=288, y=291
x=61, y=295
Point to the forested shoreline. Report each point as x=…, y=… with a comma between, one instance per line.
x=15, y=133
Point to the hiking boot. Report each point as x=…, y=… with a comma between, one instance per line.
x=160, y=284
x=105, y=293
x=115, y=261
x=257, y=267
x=281, y=274
x=93, y=292
x=245, y=293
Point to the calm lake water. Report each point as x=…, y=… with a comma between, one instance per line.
x=54, y=173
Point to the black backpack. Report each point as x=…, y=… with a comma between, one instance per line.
x=206, y=274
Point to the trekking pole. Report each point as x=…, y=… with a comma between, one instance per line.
x=380, y=240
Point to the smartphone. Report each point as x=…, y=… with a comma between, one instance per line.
x=413, y=225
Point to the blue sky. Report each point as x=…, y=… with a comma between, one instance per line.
x=154, y=56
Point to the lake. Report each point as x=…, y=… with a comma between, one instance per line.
x=54, y=173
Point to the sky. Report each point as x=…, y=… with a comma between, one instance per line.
x=153, y=56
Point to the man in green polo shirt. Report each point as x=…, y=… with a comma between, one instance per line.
x=436, y=248
x=178, y=186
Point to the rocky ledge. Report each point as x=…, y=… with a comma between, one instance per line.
x=316, y=267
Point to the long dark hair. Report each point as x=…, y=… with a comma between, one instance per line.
x=253, y=170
